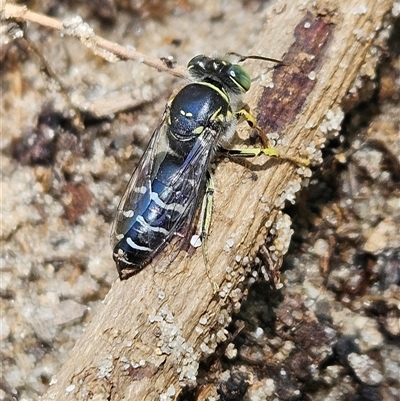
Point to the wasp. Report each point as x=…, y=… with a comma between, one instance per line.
x=165, y=190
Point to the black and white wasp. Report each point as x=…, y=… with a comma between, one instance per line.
x=164, y=191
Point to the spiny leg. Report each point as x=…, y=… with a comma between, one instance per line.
x=269, y=151
x=244, y=115
x=205, y=223
x=252, y=152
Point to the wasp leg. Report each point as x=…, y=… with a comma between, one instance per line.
x=269, y=151
x=205, y=223
x=253, y=152
x=244, y=115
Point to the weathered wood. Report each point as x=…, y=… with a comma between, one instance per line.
x=154, y=328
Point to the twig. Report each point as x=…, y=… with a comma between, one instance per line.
x=75, y=26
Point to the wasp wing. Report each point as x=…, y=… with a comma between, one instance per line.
x=139, y=183
x=182, y=186
x=185, y=187
x=188, y=181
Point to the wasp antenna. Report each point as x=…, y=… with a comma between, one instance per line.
x=273, y=60
x=240, y=57
x=254, y=57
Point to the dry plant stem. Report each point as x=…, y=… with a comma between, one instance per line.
x=12, y=11
x=153, y=328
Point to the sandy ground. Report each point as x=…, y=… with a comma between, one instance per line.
x=332, y=332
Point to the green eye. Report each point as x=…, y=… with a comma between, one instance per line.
x=240, y=77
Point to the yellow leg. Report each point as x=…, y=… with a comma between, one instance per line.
x=244, y=115
x=205, y=221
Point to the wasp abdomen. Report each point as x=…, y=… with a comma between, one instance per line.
x=152, y=220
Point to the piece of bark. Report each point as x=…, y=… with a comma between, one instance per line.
x=148, y=338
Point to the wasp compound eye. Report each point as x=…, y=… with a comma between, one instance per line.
x=240, y=77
